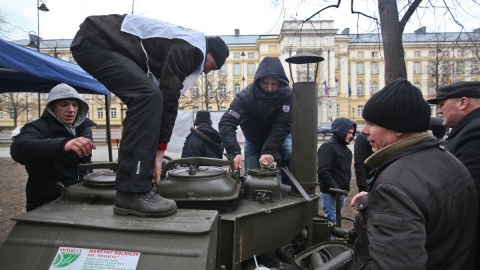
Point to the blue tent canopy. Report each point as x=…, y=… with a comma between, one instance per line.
x=26, y=70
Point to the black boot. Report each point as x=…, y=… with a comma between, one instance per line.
x=148, y=204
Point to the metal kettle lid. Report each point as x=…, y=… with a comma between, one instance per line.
x=194, y=172
x=103, y=178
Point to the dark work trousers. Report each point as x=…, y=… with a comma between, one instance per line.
x=144, y=101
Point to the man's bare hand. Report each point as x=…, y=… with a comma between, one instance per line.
x=238, y=162
x=266, y=160
x=81, y=145
x=357, y=197
x=157, y=170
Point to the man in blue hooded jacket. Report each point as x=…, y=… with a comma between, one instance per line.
x=334, y=165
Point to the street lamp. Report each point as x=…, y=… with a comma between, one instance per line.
x=243, y=69
x=44, y=8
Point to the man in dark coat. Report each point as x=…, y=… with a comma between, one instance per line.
x=420, y=212
x=334, y=165
x=147, y=64
x=459, y=103
x=204, y=140
x=263, y=112
x=361, y=151
x=52, y=147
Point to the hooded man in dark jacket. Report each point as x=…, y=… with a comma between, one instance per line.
x=204, y=140
x=263, y=112
x=147, y=64
x=420, y=212
x=334, y=165
x=52, y=147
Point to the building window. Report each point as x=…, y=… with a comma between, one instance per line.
x=236, y=55
x=359, y=67
x=474, y=66
x=416, y=53
x=113, y=112
x=209, y=90
x=195, y=92
x=236, y=69
x=251, y=69
x=374, y=87
x=11, y=114
x=360, y=54
x=100, y=113
x=195, y=108
x=360, y=89
x=417, y=84
x=431, y=53
x=374, y=68
x=459, y=67
x=210, y=108
x=223, y=108
x=223, y=90
x=251, y=55
x=431, y=88
x=374, y=54
x=416, y=67
x=359, y=110
x=1, y=115
x=223, y=70
x=461, y=52
x=237, y=88
x=431, y=67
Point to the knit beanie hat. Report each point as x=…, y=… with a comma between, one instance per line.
x=219, y=50
x=399, y=106
x=203, y=117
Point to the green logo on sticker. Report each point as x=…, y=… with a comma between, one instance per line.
x=65, y=258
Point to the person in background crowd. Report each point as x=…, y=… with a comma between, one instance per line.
x=361, y=151
x=147, y=64
x=421, y=209
x=437, y=127
x=459, y=103
x=263, y=112
x=52, y=147
x=204, y=140
x=334, y=165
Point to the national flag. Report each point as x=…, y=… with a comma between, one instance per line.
x=326, y=88
x=371, y=91
x=349, y=90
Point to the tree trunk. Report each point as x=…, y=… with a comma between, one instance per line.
x=392, y=30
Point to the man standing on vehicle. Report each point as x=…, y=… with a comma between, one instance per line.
x=459, y=103
x=147, y=64
x=52, y=147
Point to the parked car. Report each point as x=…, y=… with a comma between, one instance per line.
x=15, y=132
x=324, y=129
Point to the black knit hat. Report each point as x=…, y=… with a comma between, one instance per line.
x=203, y=117
x=219, y=50
x=399, y=106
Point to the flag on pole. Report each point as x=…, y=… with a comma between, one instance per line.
x=349, y=90
x=326, y=89
x=371, y=91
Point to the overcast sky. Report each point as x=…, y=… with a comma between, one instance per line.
x=214, y=17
